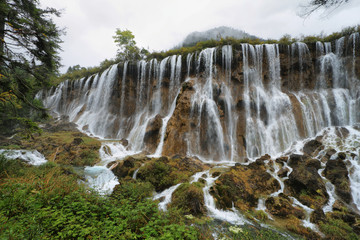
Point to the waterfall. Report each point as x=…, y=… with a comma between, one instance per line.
x=245, y=101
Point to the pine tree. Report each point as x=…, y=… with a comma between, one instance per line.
x=29, y=45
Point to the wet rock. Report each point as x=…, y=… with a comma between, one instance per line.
x=307, y=185
x=337, y=173
x=341, y=155
x=243, y=185
x=124, y=142
x=281, y=206
x=163, y=173
x=180, y=122
x=124, y=168
x=317, y=216
x=342, y=132
x=189, y=198
x=152, y=134
x=283, y=172
x=264, y=157
x=281, y=160
x=312, y=147
x=328, y=155
x=313, y=163
x=216, y=174
x=295, y=160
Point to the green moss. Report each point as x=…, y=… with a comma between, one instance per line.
x=261, y=215
x=164, y=173
x=189, y=198
x=337, y=229
x=66, y=147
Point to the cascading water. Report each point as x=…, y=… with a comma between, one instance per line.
x=261, y=100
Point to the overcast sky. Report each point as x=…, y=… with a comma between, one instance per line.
x=162, y=24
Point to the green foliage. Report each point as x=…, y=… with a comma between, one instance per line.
x=158, y=174
x=135, y=191
x=29, y=42
x=189, y=198
x=337, y=229
x=47, y=202
x=80, y=72
x=128, y=50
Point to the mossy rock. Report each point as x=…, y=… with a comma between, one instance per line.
x=305, y=183
x=282, y=207
x=189, y=198
x=164, y=172
x=66, y=147
x=243, y=185
x=127, y=167
x=336, y=171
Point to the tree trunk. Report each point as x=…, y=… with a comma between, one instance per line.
x=2, y=31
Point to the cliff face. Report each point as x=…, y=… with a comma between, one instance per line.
x=224, y=103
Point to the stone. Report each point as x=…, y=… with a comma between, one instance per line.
x=307, y=185
x=283, y=172
x=282, y=207
x=295, y=160
x=243, y=185
x=313, y=163
x=152, y=134
x=336, y=171
x=189, y=198
x=312, y=147
x=317, y=216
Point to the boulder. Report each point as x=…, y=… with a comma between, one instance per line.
x=338, y=175
x=312, y=147
x=243, y=185
x=282, y=207
x=189, y=198
x=306, y=184
x=163, y=172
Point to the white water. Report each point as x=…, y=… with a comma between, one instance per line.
x=101, y=179
x=269, y=108
x=232, y=217
x=166, y=194
x=31, y=157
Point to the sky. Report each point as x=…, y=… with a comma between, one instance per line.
x=162, y=24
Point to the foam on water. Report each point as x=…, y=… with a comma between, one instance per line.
x=32, y=157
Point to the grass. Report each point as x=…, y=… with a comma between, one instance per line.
x=46, y=202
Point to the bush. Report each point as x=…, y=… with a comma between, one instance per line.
x=47, y=202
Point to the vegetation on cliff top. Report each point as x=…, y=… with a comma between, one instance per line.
x=79, y=72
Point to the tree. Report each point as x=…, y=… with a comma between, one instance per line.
x=315, y=5
x=128, y=50
x=29, y=45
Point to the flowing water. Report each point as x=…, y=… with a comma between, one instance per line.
x=244, y=104
x=31, y=157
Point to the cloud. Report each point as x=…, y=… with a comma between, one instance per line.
x=162, y=24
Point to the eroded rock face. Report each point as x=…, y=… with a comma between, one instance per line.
x=180, y=122
x=243, y=185
x=337, y=173
x=152, y=134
